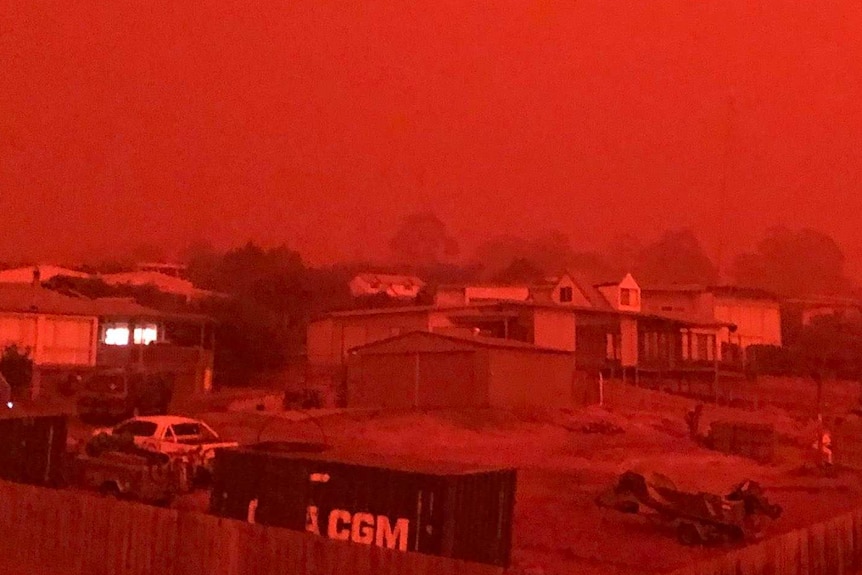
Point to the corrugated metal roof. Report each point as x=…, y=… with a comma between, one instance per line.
x=28, y=298
x=475, y=341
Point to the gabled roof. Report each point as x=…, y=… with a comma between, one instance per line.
x=472, y=341
x=590, y=290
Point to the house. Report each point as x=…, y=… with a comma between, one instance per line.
x=181, y=343
x=330, y=338
x=755, y=313
x=421, y=369
x=58, y=330
x=37, y=273
x=60, y=333
x=803, y=311
x=565, y=290
x=393, y=286
x=72, y=335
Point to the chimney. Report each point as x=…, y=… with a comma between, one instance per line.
x=37, y=276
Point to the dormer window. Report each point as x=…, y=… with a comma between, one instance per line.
x=627, y=297
x=566, y=294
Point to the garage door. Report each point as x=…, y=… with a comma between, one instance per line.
x=448, y=380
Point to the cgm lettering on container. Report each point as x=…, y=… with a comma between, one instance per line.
x=361, y=527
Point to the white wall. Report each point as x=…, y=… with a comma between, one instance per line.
x=757, y=321
x=506, y=293
x=52, y=340
x=554, y=329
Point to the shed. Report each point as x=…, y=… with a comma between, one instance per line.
x=424, y=369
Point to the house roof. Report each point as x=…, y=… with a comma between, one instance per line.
x=825, y=301
x=674, y=287
x=720, y=290
x=28, y=298
x=163, y=282
x=742, y=292
x=688, y=320
x=24, y=275
x=474, y=341
x=499, y=307
x=390, y=279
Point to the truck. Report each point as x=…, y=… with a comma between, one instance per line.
x=115, y=394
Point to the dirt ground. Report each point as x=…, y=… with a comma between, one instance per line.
x=558, y=528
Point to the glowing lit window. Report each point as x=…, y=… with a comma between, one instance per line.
x=117, y=335
x=145, y=335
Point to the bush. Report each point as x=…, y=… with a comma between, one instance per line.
x=17, y=367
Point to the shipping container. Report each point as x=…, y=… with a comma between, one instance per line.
x=439, y=509
x=33, y=449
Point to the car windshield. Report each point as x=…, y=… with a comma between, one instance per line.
x=136, y=428
x=106, y=384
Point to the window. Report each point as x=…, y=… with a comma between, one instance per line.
x=117, y=334
x=566, y=294
x=120, y=334
x=136, y=429
x=146, y=334
x=192, y=432
x=185, y=429
x=628, y=297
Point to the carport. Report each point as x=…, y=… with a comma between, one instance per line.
x=431, y=370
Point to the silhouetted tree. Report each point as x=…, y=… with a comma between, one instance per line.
x=676, y=257
x=520, y=271
x=623, y=254
x=422, y=239
x=794, y=263
x=551, y=253
x=17, y=367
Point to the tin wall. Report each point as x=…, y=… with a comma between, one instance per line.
x=460, y=515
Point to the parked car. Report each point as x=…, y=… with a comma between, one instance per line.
x=118, y=393
x=115, y=466
x=174, y=435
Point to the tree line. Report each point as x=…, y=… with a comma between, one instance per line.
x=273, y=294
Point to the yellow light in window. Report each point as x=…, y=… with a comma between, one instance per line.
x=117, y=336
x=146, y=335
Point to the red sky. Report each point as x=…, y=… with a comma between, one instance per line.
x=322, y=123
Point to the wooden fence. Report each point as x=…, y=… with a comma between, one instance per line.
x=830, y=548
x=83, y=534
